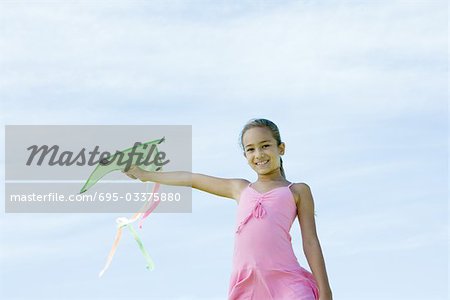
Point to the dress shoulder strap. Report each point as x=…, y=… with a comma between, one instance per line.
x=290, y=184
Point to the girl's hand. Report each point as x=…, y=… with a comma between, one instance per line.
x=133, y=172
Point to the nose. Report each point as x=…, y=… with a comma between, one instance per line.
x=259, y=153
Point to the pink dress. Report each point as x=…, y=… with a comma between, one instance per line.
x=264, y=264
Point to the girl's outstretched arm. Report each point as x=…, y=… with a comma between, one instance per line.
x=311, y=244
x=224, y=187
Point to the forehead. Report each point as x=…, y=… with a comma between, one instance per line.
x=257, y=135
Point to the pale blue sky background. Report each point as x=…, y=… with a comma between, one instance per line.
x=357, y=88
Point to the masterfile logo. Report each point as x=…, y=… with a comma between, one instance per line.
x=68, y=158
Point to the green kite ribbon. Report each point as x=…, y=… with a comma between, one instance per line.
x=150, y=264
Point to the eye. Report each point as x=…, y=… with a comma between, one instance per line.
x=266, y=146
x=249, y=149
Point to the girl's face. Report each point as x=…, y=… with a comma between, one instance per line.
x=261, y=150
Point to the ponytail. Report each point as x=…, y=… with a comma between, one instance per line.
x=281, y=168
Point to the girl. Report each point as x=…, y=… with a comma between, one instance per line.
x=264, y=264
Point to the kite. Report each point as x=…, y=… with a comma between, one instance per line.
x=114, y=162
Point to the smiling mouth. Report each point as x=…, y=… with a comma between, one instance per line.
x=263, y=163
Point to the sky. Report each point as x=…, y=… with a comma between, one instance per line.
x=358, y=90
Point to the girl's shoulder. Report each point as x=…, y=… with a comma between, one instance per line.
x=300, y=185
x=243, y=183
x=297, y=189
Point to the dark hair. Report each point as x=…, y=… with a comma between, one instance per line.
x=263, y=123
